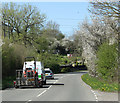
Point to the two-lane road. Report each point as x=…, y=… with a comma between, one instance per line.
x=65, y=87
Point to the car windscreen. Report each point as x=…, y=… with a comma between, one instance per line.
x=47, y=71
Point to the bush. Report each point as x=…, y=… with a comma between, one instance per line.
x=107, y=61
x=8, y=82
x=64, y=70
x=50, y=61
x=54, y=67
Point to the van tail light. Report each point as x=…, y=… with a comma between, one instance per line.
x=42, y=76
x=50, y=73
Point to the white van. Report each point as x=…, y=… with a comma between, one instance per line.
x=39, y=70
x=32, y=74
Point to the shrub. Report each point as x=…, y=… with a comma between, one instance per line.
x=50, y=60
x=54, y=67
x=107, y=61
x=64, y=70
x=13, y=57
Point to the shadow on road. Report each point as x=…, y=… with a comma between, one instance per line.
x=54, y=84
x=31, y=87
x=53, y=79
x=81, y=72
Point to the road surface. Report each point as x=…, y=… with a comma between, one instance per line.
x=65, y=87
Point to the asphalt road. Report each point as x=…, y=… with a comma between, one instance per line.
x=65, y=87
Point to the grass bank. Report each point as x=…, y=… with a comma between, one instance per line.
x=97, y=84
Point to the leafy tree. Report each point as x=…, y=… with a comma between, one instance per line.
x=41, y=44
x=51, y=30
x=21, y=22
x=60, y=36
x=54, y=37
x=77, y=40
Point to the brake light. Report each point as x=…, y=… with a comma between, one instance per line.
x=50, y=73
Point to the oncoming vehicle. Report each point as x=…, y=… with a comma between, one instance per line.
x=33, y=74
x=49, y=74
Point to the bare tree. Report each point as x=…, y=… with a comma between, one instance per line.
x=109, y=8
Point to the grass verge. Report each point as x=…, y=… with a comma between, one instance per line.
x=97, y=84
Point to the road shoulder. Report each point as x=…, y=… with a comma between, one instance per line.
x=106, y=96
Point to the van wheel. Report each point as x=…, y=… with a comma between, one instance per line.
x=36, y=81
x=16, y=87
x=53, y=78
x=20, y=87
x=41, y=85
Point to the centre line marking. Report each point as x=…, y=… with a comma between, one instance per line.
x=50, y=87
x=28, y=101
x=42, y=93
x=55, y=81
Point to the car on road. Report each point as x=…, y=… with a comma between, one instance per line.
x=49, y=74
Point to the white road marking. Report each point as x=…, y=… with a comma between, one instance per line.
x=92, y=91
x=50, y=87
x=42, y=93
x=50, y=82
x=46, y=90
x=55, y=81
x=95, y=95
x=56, y=78
x=28, y=101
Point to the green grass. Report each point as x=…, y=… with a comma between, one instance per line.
x=97, y=84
